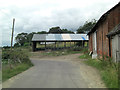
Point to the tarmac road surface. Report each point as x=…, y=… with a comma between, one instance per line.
x=49, y=74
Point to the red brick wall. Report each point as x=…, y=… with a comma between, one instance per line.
x=106, y=26
x=105, y=39
x=90, y=43
x=113, y=20
x=99, y=40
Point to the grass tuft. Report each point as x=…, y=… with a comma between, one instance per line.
x=8, y=73
x=108, y=72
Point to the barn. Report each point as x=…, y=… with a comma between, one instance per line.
x=104, y=37
x=55, y=38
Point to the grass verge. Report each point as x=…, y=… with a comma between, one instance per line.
x=108, y=72
x=8, y=73
x=14, y=62
x=57, y=52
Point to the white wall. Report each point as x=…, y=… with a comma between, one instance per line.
x=116, y=48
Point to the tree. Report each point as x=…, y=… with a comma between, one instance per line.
x=29, y=38
x=21, y=38
x=42, y=32
x=67, y=31
x=55, y=30
x=88, y=25
x=24, y=39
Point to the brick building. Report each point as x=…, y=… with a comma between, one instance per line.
x=100, y=39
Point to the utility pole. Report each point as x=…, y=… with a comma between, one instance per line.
x=12, y=32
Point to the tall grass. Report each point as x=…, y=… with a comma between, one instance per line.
x=108, y=72
x=8, y=73
x=14, y=62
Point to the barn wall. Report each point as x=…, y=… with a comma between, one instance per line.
x=115, y=48
x=103, y=29
x=105, y=39
x=99, y=40
x=90, y=43
x=119, y=47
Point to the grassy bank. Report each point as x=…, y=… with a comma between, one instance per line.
x=8, y=73
x=108, y=71
x=14, y=62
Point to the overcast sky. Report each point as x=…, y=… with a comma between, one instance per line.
x=40, y=15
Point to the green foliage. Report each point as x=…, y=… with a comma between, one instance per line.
x=55, y=53
x=21, y=38
x=26, y=44
x=108, y=72
x=119, y=75
x=15, y=56
x=6, y=54
x=55, y=30
x=88, y=25
x=16, y=45
x=67, y=31
x=6, y=47
x=14, y=62
x=76, y=48
x=42, y=32
x=58, y=30
x=84, y=56
x=24, y=39
x=8, y=73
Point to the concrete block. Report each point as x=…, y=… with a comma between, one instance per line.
x=94, y=56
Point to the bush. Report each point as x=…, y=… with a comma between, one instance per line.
x=76, y=49
x=16, y=56
x=107, y=70
x=6, y=54
x=16, y=45
x=26, y=44
x=14, y=62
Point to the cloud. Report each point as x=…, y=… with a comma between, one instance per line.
x=39, y=15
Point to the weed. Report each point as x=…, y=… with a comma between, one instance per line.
x=108, y=73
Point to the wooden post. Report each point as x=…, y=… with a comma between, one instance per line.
x=70, y=44
x=82, y=43
x=55, y=44
x=45, y=44
x=65, y=44
x=12, y=32
x=34, y=46
x=74, y=44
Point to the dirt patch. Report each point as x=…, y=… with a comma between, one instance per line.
x=90, y=74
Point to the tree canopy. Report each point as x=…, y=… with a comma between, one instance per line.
x=24, y=39
x=88, y=25
x=57, y=30
x=21, y=38
x=67, y=31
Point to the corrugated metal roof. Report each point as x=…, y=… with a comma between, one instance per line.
x=59, y=37
x=115, y=31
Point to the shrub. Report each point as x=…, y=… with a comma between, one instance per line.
x=5, y=54
x=16, y=56
x=16, y=45
x=26, y=44
x=76, y=49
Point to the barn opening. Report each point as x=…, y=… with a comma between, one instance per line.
x=57, y=41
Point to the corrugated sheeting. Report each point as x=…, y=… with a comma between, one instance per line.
x=59, y=37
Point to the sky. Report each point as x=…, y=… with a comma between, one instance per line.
x=40, y=15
